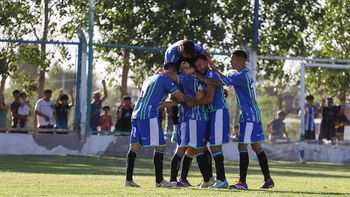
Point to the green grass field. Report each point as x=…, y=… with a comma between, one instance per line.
x=104, y=176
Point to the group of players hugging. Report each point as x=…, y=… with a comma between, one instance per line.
x=196, y=89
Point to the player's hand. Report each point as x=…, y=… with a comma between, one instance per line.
x=213, y=67
x=188, y=71
x=199, y=94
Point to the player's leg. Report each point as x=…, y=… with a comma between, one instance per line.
x=179, y=153
x=263, y=162
x=135, y=146
x=219, y=131
x=186, y=165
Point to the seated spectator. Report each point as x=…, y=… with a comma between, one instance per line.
x=23, y=110
x=45, y=111
x=61, y=108
x=96, y=106
x=106, y=120
x=123, y=116
x=311, y=112
x=3, y=111
x=329, y=113
x=277, y=128
x=14, y=108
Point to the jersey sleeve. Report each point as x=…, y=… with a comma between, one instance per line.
x=170, y=86
x=236, y=79
x=213, y=75
x=199, y=49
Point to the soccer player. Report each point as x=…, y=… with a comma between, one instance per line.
x=146, y=126
x=251, y=131
x=219, y=122
x=192, y=132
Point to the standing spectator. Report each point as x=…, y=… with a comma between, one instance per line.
x=123, y=116
x=14, y=108
x=45, y=111
x=3, y=111
x=311, y=112
x=61, y=108
x=329, y=113
x=277, y=128
x=341, y=120
x=23, y=110
x=96, y=106
x=106, y=121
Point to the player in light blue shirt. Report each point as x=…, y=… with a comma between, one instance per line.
x=146, y=126
x=251, y=131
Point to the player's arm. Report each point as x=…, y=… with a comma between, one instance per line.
x=181, y=97
x=208, y=81
x=206, y=99
x=167, y=104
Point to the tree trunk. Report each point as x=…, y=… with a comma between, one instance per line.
x=125, y=72
x=43, y=50
x=2, y=84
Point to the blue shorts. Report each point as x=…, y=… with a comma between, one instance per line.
x=251, y=132
x=196, y=130
x=147, y=132
x=219, y=127
x=181, y=134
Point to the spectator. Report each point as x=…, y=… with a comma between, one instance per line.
x=61, y=108
x=106, y=120
x=23, y=110
x=123, y=116
x=341, y=120
x=329, y=113
x=311, y=112
x=14, y=108
x=96, y=106
x=277, y=128
x=45, y=111
x=3, y=111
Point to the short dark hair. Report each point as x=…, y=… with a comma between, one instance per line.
x=236, y=126
x=310, y=97
x=23, y=94
x=126, y=97
x=15, y=92
x=241, y=54
x=106, y=107
x=169, y=65
x=189, y=47
x=47, y=91
x=64, y=97
x=197, y=57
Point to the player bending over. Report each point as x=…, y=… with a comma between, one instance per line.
x=191, y=132
x=251, y=131
x=146, y=126
x=219, y=122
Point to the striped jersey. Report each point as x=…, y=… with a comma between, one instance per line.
x=219, y=101
x=245, y=95
x=190, y=86
x=154, y=91
x=310, y=114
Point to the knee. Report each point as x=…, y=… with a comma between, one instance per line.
x=215, y=148
x=160, y=148
x=181, y=150
x=256, y=147
x=191, y=152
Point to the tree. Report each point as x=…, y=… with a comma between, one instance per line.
x=13, y=16
x=285, y=31
x=332, y=34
